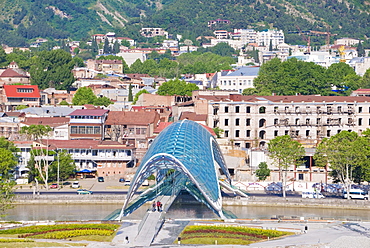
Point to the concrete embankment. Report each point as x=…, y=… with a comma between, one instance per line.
x=237, y=201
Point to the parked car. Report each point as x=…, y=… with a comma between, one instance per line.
x=100, y=179
x=121, y=180
x=127, y=183
x=312, y=194
x=54, y=186
x=75, y=185
x=356, y=194
x=84, y=192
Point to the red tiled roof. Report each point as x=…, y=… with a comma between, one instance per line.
x=13, y=91
x=50, y=121
x=12, y=73
x=132, y=117
x=162, y=126
x=16, y=114
x=89, y=112
x=193, y=116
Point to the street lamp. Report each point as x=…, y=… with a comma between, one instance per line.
x=58, y=172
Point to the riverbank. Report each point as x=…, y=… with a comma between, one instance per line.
x=268, y=201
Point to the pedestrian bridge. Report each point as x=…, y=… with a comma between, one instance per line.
x=184, y=156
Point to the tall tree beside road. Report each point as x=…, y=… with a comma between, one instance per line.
x=66, y=165
x=347, y=155
x=285, y=152
x=8, y=162
x=41, y=164
x=176, y=87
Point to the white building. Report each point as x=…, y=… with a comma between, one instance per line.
x=276, y=37
x=245, y=35
x=238, y=80
x=346, y=41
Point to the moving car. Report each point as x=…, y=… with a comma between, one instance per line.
x=54, y=186
x=100, y=179
x=75, y=185
x=84, y=192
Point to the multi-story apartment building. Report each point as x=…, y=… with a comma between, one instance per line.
x=103, y=158
x=87, y=124
x=276, y=37
x=152, y=32
x=251, y=121
x=238, y=80
x=245, y=35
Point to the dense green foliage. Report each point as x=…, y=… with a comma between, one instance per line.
x=66, y=165
x=176, y=87
x=263, y=171
x=347, y=154
x=8, y=162
x=194, y=62
x=285, y=152
x=24, y=20
x=85, y=95
x=306, y=78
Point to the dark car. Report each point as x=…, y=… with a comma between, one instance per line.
x=100, y=179
x=121, y=180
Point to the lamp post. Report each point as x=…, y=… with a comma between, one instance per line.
x=58, y=169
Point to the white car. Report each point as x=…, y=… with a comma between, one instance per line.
x=127, y=183
x=75, y=185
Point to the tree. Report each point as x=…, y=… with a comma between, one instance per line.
x=285, y=152
x=66, y=163
x=176, y=87
x=52, y=69
x=343, y=77
x=102, y=101
x=130, y=96
x=249, y=92
x=136, y=67
x=125, y=43
x=107, y=49
x=263, y=171
x=8, y=163
x=144, y=91
x=270, y=46
x=360, y=49
x=41, y=165
x=116, y=47
x=347, y=155
x=84, y=95
x=218, y=131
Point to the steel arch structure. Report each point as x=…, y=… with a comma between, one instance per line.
x=193, y=155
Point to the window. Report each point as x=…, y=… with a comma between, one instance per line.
x=247, y=110
x=226, y=133
x=95, y=152
x=286, y=132
x=248, y=133
x=276, y=133
x=360, y=121
x=237, y=121
x=300, y=176
x=262, y=123
x=226, y=122
x=307, y=133
x=262, y=110
x=97, y=130
x=247, y=145
x=297, y=121
x=360, y=109
x=237, y=133
x=318, y=121
x=328, y=133
x=307, y=121
x=276, y=121
x=74, y=129
x=248, y=122
x=237, y=109
x=276, y=109
x=215, y=110
x=24, y=90
x=226, y=109
x=262, y=134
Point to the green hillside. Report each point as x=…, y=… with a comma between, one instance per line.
x=24, y=20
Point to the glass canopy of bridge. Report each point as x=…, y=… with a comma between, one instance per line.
x=184, y=156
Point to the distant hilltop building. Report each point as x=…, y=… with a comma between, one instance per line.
x=152, y=32
x=217, y=21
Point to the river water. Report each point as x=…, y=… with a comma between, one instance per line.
x=100, y=211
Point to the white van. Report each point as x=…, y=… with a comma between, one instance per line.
x=75, y=185
x=312, y=194
x=356, y=194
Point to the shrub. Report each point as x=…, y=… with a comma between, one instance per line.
x=15, y=240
